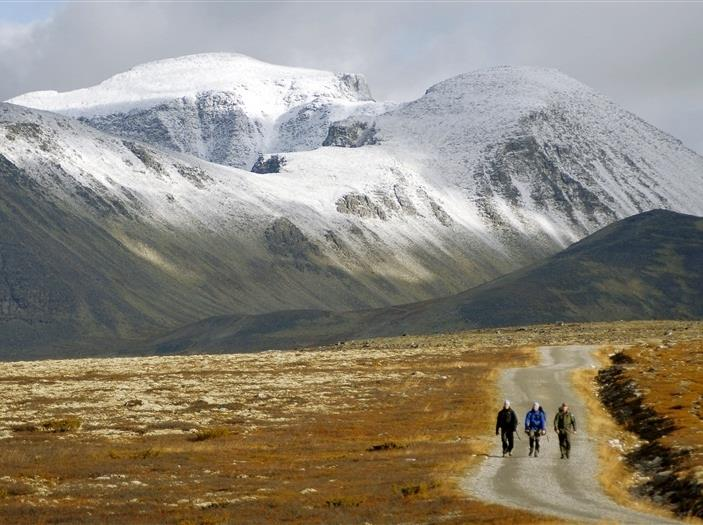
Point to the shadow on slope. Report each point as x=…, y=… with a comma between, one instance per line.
x=648, y=266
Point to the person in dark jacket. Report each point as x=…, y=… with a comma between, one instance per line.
x=535, y=426
x=506, y=425
x=564, y=423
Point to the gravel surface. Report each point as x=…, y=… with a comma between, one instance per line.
x=565, y=488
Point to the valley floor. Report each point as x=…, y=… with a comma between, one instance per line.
x=380, y=431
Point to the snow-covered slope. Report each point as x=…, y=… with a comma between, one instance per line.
x=173, y=238
x=221, y=107
x=375, y=203
x=532, y=146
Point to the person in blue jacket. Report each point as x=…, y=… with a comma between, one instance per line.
x=535, y=426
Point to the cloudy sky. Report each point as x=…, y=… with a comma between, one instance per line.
x=648, y=57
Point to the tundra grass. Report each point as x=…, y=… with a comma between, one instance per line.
x=377, y=433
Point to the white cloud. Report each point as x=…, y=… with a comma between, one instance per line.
x=14, y=35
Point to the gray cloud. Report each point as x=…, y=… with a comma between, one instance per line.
x=646, y=57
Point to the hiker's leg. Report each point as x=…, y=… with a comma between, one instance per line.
x=562, y=446
x=511, y=441
x=504, y=440
x=567, y=444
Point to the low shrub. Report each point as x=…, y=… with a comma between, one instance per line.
x=343, y=501
x=204, y=434
x=65, y=424
x=388, y=445
x=415, y=489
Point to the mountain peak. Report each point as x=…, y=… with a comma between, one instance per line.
x=509, y=86
x=272, y=88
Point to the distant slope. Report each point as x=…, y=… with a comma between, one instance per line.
x=649, y=266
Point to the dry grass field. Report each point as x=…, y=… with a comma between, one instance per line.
x=345, y=435
x=364, y=432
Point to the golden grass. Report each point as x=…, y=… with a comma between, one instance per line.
x=670, y=378
x=64, y=424
x=336, y=436
x=615, y=476
x=660, y=369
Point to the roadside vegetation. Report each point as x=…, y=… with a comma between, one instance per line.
x=654, y=392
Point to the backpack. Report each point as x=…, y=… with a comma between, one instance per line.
x=508, y=419
x=535, y=420
x=565, y=421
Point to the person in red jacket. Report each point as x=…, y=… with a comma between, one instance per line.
x=506, y=424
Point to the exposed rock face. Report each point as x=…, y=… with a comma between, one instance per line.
x=361, y=206
x=195, y=175
x=441, y=215
x=351, y=134
x=285, y=239
x=211, y=125
x=273, y=164
x=405, y=203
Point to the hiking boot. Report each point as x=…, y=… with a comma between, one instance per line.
x=562, y=456
x=530, y=453
x=510, y=454
x=503, y=454
x=536, y=453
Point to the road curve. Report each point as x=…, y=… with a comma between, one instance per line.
x=549, y=485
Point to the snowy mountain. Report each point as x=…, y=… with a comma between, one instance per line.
x=221, y=107
x=373, y=204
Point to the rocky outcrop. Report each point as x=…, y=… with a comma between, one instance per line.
x=285, y=239
x=195, y=175
x=360, y=205
x=351, y=134
x=442, y=216
x=273, y=164
x=211, y=125
x=145, y=156
x=405, y=203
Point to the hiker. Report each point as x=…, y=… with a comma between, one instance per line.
x=564, y=423
x=506, y=424
x=535, y=426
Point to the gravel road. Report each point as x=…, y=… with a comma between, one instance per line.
x=565, y=488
